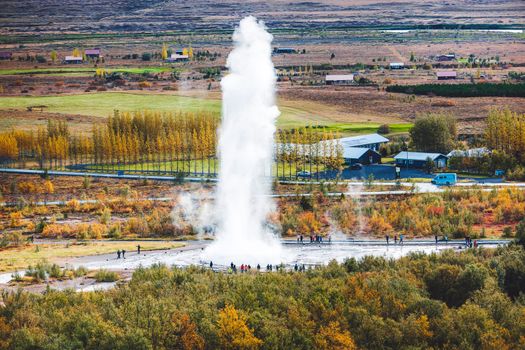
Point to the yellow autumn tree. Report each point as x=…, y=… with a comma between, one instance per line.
x=76, y=52
x=332, y=337
x=164, y=52
x=234, y=334
x=53, y=55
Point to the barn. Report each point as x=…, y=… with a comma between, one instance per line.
x=419, y=159
x=73, y=59
x=446, y=75
x=93, y=53
x=341, y=79
x=397, y=65
x=372, y=141
x=361, y=155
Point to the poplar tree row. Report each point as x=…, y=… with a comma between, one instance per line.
x=159, y=142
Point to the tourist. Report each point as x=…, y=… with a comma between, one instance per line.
x=446, y=239
x=118, y=254
x=123, y=254
x=475, y=243
x=138, y=249
x=401, y=237
x=298, y=238
x=296, y=267
x=395, y=239
x=211, y=264
x=258, y=267
x=436, y=238
x=387, y=237
x=301, y=237
x=329, y=238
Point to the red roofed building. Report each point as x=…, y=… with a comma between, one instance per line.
x=92, y=53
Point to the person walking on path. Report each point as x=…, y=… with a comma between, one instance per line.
x=123, y=254
x=436, y=238
x=138, y=249
x=118, y=254
x=387, y=237
x=395, y=239
x=211, y=264
x=401, y=237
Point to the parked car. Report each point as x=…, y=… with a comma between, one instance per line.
x=445, y=179
x=356, y=166
x=304, y=173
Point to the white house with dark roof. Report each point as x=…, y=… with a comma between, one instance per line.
x=420, y=159
x=340, y=79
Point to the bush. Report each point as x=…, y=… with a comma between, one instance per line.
x=106, y=276
x=384, y=129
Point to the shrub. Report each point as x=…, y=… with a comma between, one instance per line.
x=103, y=275
x=384, y=129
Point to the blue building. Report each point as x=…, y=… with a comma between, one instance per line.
x=361, y=155
x=419, y=159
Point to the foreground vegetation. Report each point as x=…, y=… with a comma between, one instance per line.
x=470, y=300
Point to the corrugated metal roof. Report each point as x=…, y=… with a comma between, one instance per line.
x=92, y=52
x=339, y=77
x=362, y=140
x=418, y=155
x=446, y=74
x=355, y=152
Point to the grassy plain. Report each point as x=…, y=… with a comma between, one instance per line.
x=101, y=104
x=19, y=258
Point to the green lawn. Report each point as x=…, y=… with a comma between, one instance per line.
x=102, y=104
x=73, y=70
x=199, y=166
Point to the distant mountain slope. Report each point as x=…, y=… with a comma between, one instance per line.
x=48, y=16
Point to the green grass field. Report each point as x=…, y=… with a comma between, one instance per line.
x=199, y=166
x=102, y=104
x=84, y=70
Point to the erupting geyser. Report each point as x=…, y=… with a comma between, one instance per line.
x=246, y=138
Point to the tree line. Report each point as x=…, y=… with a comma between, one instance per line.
x=462, y=90
x=157, y=142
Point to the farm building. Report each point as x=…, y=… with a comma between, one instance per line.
x=6, y=55
x=372, y=141
x=343, y=79
x=446, y=75
x=278, y=50
x=397, y=65
x=73, y=59
x=419, y=159
x=93, y=53
x=175, y=57
x=361, y=155
x=446, y=58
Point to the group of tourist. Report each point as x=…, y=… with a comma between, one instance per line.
x=401, y=239
x=269, y=267
x=313, y=239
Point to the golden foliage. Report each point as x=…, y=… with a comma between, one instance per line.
x=234, y=334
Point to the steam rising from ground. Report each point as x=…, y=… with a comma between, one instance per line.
x=245, y=151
